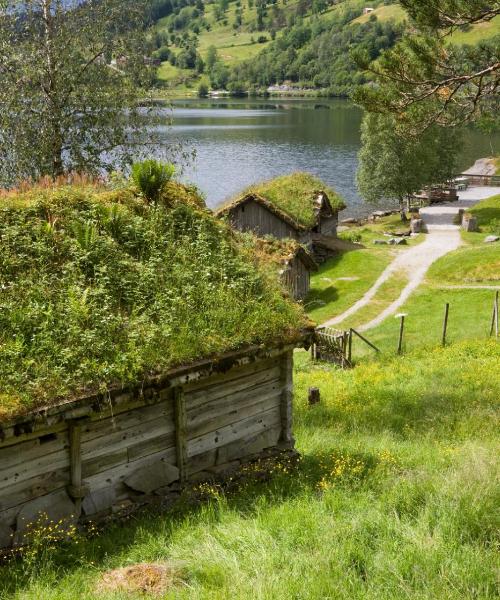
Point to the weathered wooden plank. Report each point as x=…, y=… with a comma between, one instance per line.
x=206, y=385
x=231, y=412
x=103, y=426
x=230, y=433
x=39, y=485
x=287, y=399
x=128, y=437
x=116, y=474
x=33, y=467
x=180, y=431
x=103, y=462
x=11, y=439
x=150, y=446
x=253, y=444
x=25, y=451
x=76, y=490
x=200, y=462
x=199, y=400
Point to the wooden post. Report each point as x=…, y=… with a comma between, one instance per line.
x=496, y=314
x=401, y=331
x=445, y=323
x=76, y=489
x=180, y=432
x=349, y=352
x=314, y=396
x=286, y=404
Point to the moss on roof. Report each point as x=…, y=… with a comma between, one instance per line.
x=296, y=195
x=97, y=288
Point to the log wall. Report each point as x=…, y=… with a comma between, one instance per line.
x=252, y=216
x=87, y=459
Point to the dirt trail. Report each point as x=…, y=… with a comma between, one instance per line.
x=442, y=237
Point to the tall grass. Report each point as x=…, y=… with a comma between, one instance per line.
x=396, y=496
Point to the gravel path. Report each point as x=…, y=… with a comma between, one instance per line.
x=442, y=237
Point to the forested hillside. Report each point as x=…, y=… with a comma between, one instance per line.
x=249, y=45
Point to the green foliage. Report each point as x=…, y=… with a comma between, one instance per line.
x=426, y=78
x=317, y=53
x=151, y=177
x=65, y=106
x=487, y=213
x=395, y=490
x=99, y=287
x=203, y=90
x=394, y=164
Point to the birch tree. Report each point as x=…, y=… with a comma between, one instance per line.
x=71, y=74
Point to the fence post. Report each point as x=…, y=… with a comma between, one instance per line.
x=401, y=331
x=349, y=353
x=494, y=316
x=445, y=323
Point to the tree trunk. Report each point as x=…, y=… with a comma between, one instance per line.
x=402, y=210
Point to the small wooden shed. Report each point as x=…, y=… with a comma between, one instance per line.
x=292, y=262
x=295, y=206
x=175, y=387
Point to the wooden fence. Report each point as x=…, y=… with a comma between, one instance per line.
x=336, y=346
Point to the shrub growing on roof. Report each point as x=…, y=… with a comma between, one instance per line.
x=151, y=176
x=98, y=287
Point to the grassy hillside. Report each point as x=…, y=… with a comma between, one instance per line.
x=237, y=34
x=395, y=496
x=241, y=31
x=477, y=33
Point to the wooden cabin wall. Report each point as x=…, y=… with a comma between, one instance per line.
x=254, y=217
x=92, y=466
x=297, y=279
x=328, y=225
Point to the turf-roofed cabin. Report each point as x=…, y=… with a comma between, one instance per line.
x=298, y=206
x=141, y=347
x=290, y=262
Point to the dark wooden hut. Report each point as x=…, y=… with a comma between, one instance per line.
x=297, y=206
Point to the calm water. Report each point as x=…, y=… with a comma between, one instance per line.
x=241, y=141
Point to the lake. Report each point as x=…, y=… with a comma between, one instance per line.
x=241, y=141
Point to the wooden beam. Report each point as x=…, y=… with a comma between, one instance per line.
x=286, y=404
x=180, y=432
x=76, y=489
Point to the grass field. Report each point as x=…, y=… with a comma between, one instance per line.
x=395, y=497
x=384, y=13
x=343, y=280
x=477, y=33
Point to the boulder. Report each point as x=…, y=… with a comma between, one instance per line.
x=491, y=238
x=149, y=478
x=99, y=500
x=379, y=242
x=416, y=225
x=397, y=241
x=381, y=213
x=469, y=223
x=56, y=507
x=349, y=221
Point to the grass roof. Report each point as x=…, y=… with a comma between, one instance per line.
x=99, y=288
x=296, y=195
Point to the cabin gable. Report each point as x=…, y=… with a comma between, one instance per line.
x=257, y=218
